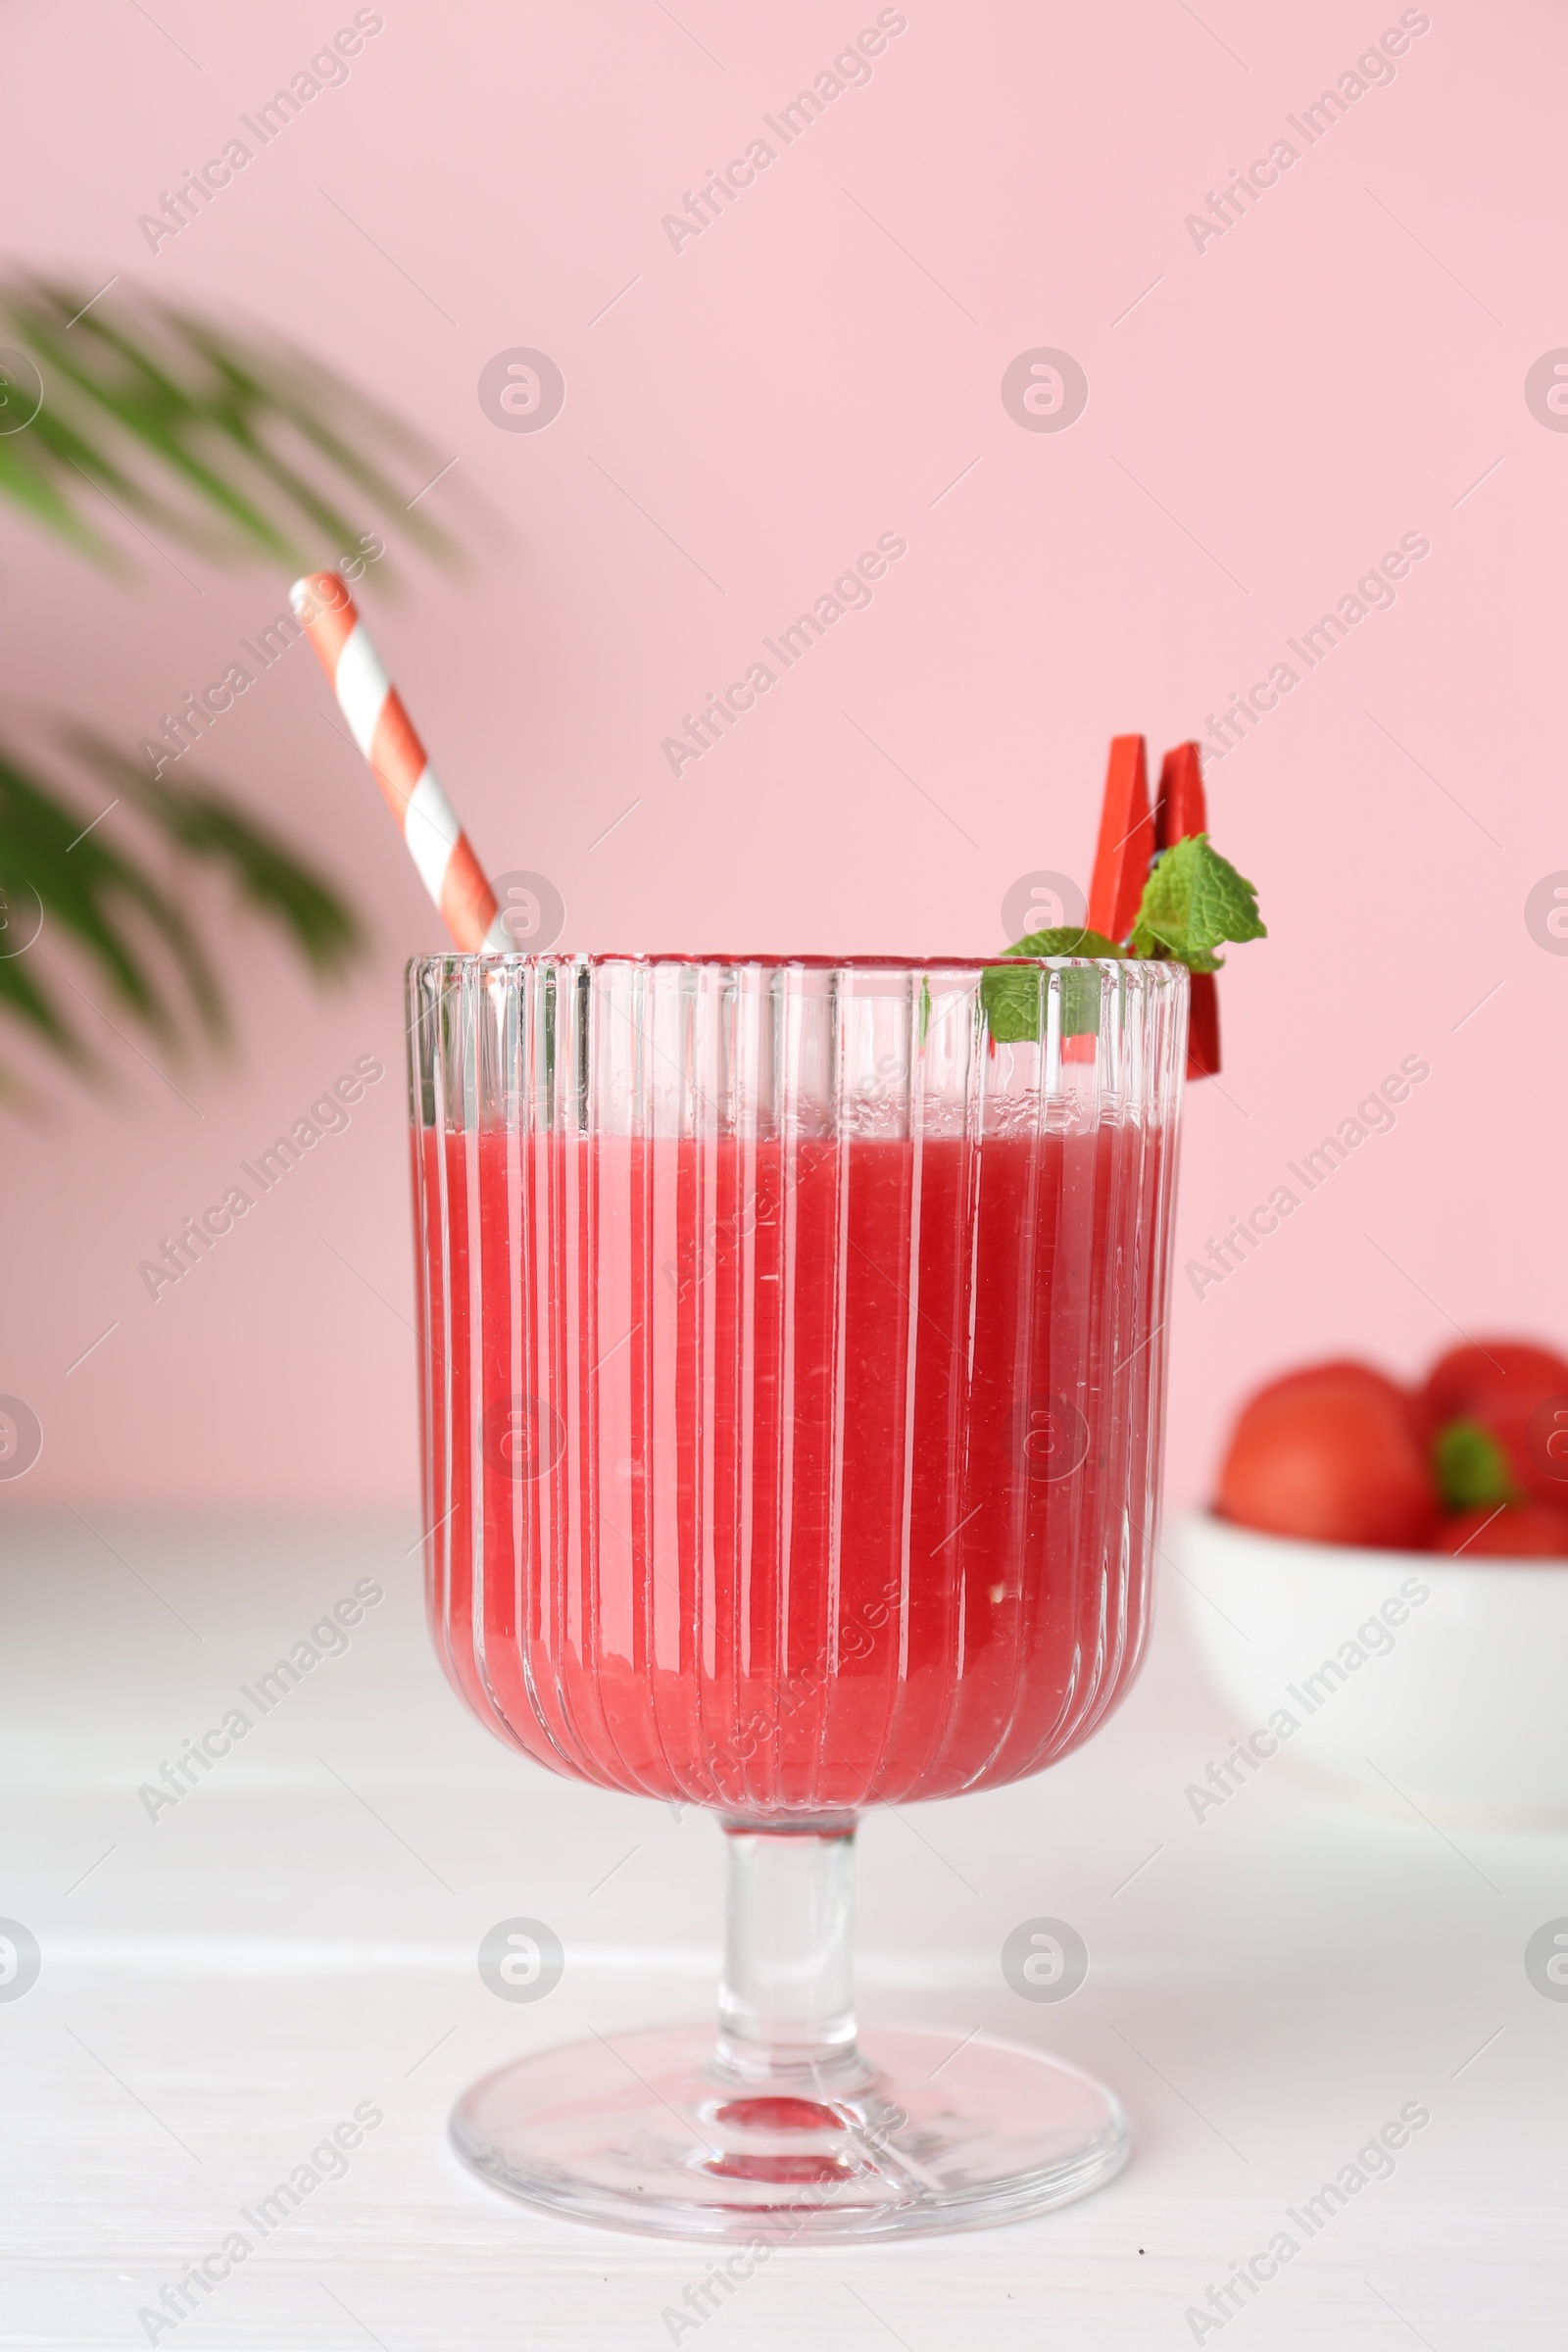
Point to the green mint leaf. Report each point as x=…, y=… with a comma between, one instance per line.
x=1069, y=940
x=1010, y=996
x=1193, y=901
x=1013, y=995
x=1471, y=1466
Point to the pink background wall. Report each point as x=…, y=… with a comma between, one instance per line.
x=1343, y=366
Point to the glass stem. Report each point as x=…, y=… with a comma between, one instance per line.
x=786, y=2004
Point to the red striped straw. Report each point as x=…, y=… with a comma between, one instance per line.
x=373, y=709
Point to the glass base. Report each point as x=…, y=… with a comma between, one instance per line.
x=914, y=2136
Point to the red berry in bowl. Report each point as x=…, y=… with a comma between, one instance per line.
x=1486, y=1377
x=1329, y=1457
x=1345, y=1372
x=1518, y=1393
x=1533, y=1441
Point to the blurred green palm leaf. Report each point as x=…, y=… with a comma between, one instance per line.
x=234, y=449
x=225, y=445
x=64, y=877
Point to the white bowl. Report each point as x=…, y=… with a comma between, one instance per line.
x=1411, y=1678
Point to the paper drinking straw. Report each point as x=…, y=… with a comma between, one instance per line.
x=373, y=709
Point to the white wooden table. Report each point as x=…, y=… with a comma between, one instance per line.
x=295, y=1938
